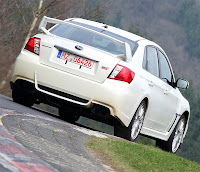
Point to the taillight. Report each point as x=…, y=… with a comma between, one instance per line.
x=33, y=45
x=122, y=73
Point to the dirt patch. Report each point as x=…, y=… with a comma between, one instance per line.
x=102, y=158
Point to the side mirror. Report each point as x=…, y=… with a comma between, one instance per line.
x=181, y=83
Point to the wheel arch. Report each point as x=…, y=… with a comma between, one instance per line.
x=147, y=103
x=136, y=105
x=146, y=100
x=187, y=115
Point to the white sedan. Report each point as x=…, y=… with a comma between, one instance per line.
x=90, y=69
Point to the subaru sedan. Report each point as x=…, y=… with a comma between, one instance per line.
x=86, y=68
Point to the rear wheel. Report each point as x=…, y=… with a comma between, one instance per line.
x=22, y=96
x=68, y=115
x=132, y=131
x=176, y=138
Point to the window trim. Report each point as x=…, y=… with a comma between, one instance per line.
x=169, y=65
x=159, y=68
x=146, y=53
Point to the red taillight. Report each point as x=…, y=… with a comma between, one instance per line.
x=122, y=73
x=33, y=45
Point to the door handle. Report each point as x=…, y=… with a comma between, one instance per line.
x=151, y=84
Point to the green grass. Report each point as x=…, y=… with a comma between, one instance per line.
x=132, y=157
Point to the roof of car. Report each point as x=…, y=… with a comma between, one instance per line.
x=112, y=29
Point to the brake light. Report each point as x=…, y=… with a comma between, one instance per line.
x=122, y=73
x=33, y=45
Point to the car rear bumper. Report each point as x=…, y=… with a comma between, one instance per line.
x=121, y=99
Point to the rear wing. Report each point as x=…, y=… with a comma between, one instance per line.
x=45, y=20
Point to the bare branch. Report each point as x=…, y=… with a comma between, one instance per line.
x=31, y=8
x=54, y=2
x=89, y=12
x=21, y=13
x=34, y=22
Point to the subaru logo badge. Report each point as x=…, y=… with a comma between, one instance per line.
x=78, y=47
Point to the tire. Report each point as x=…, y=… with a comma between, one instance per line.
x=21, y=96
x=176, y=138
x=68, y=115
x=133, y=130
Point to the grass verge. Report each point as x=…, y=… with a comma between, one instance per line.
x=129, y=157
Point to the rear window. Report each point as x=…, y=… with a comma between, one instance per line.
x=93, y=39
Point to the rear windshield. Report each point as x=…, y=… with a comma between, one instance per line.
x=93, y=39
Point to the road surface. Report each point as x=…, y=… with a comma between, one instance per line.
x=31, y=140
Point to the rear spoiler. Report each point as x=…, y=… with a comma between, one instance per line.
x=45, y=20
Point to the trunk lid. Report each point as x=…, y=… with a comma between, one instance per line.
x=76, y=58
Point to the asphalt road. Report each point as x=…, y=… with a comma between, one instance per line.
x=31, y=140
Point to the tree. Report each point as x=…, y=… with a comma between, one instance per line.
x=35, y=18
x=189, y=18
x=118, y=19
x=136, y=30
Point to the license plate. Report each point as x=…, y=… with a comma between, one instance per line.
x=70, y=58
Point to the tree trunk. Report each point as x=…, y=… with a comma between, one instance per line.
x=34, y=22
